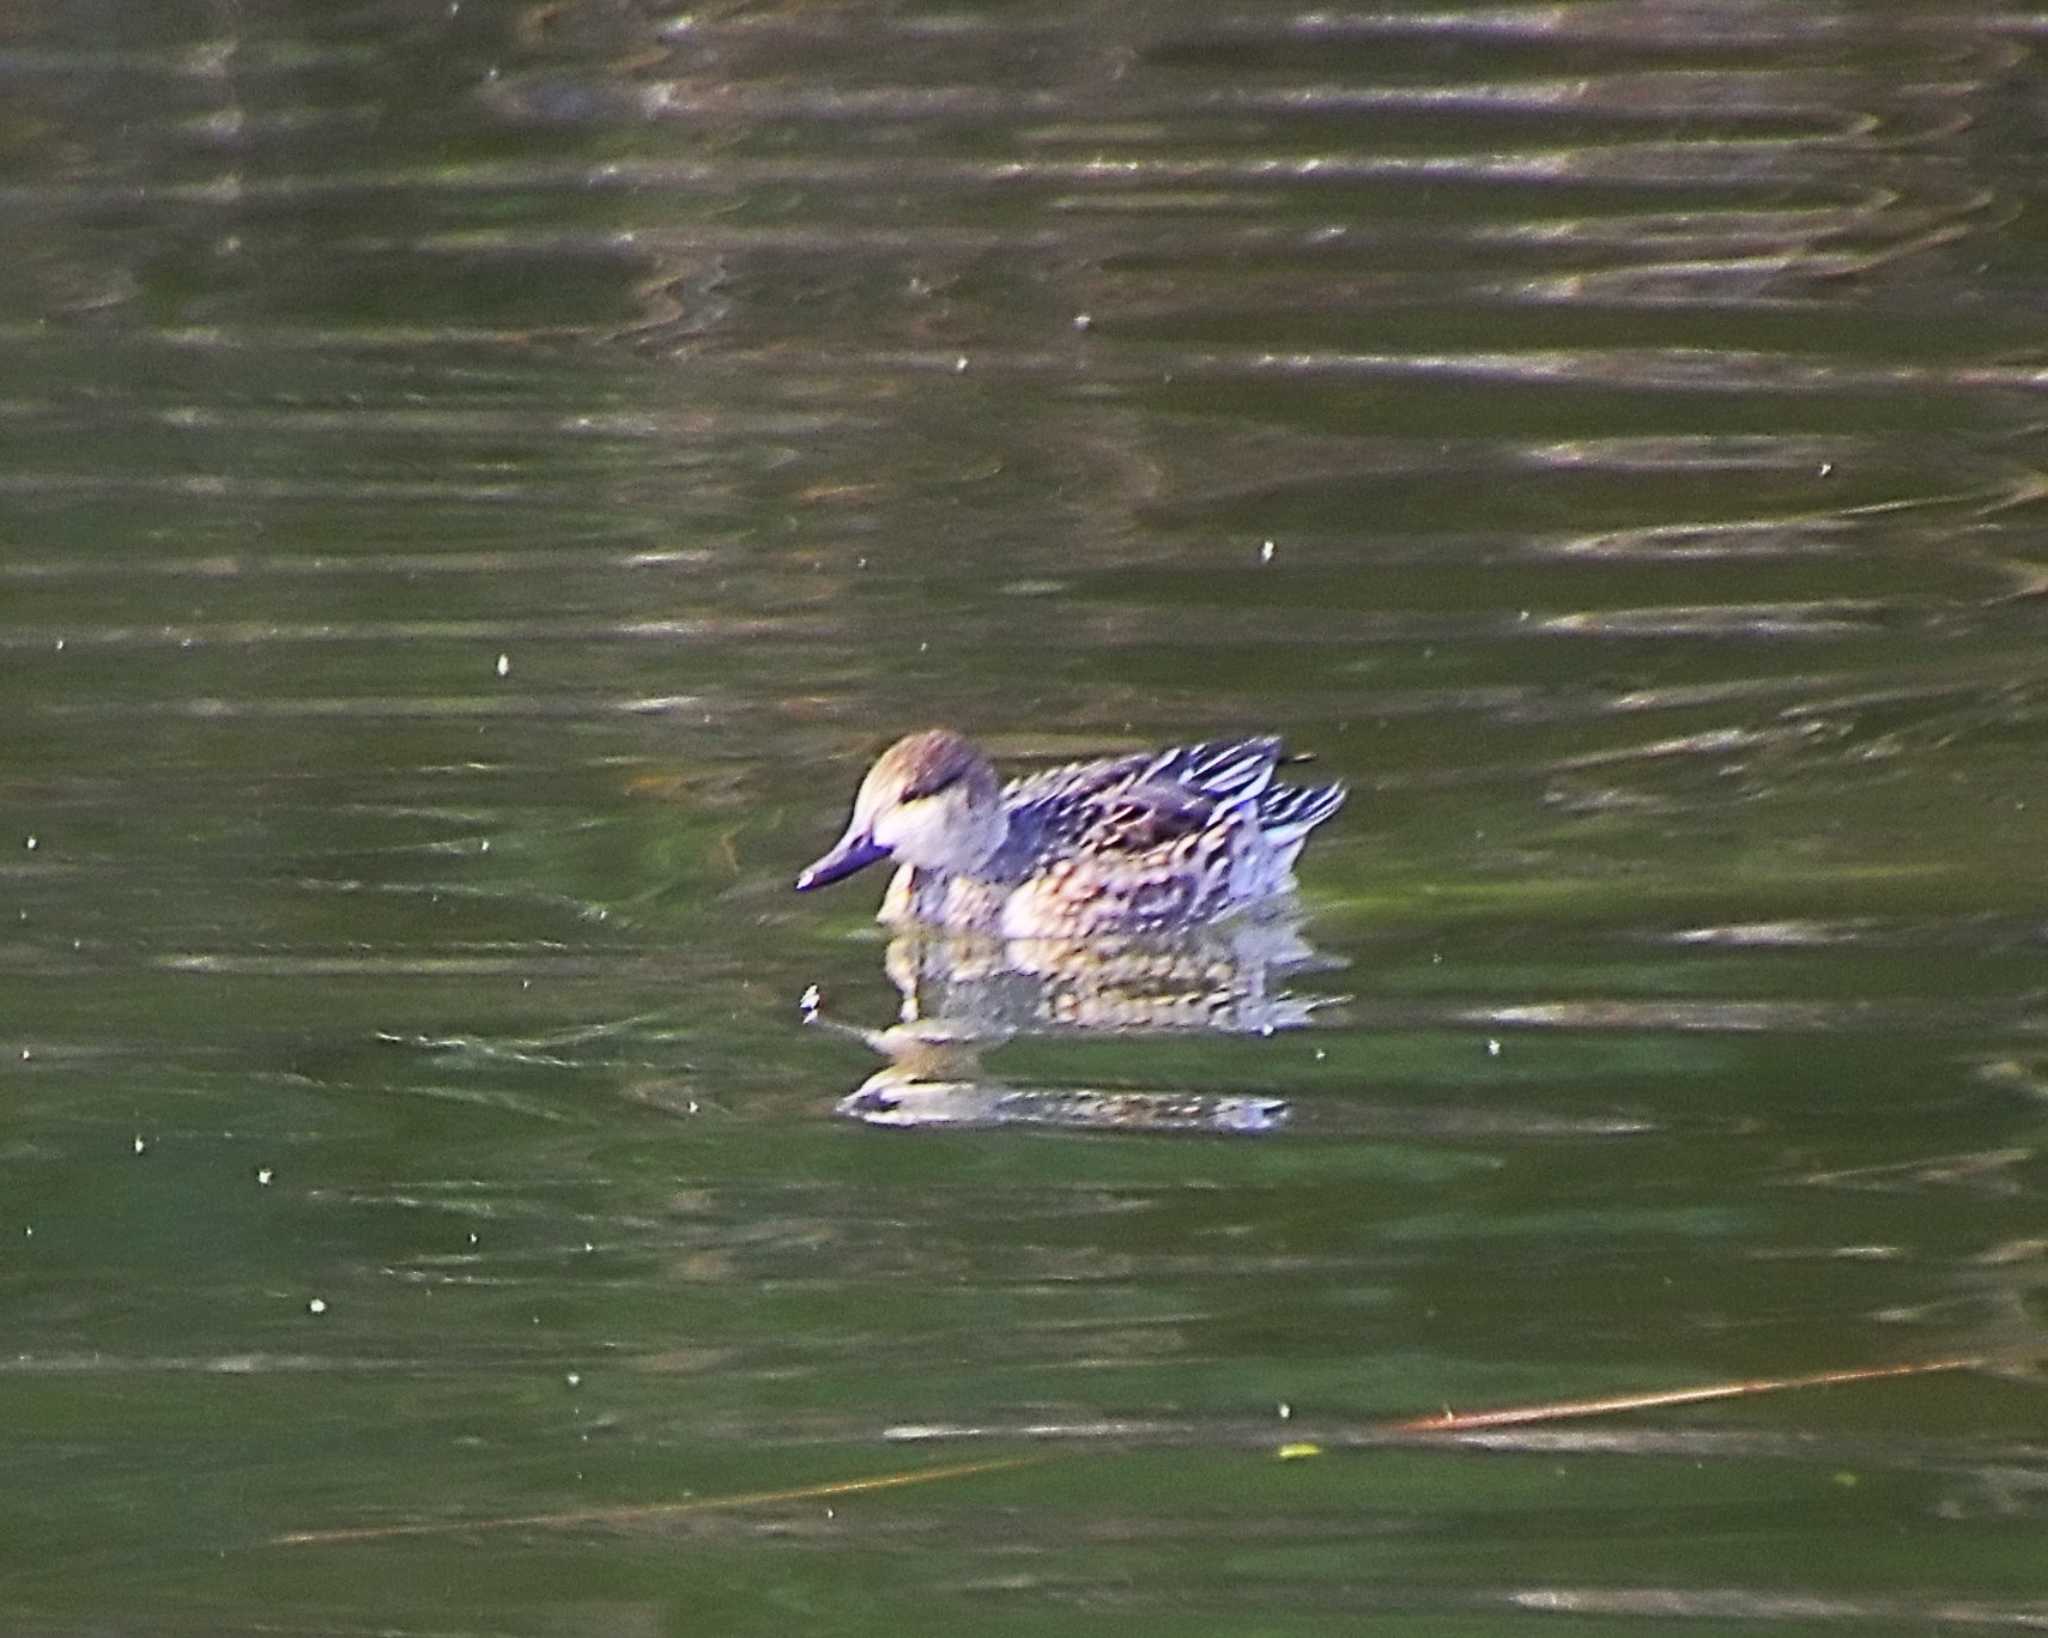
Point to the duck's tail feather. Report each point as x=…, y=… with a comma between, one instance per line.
x=1287, y=813
x=1229, y=770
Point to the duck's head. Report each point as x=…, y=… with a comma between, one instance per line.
x=931, y=800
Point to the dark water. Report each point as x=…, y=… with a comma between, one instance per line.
x=480, y=481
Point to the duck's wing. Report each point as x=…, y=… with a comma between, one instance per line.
x=1048, y=811
x=1070, y=781
x=1219, y=768
x=1154, y=842
x=1153, y=853
x=1289, y=812
x=1146, y=856
x=1150, y=817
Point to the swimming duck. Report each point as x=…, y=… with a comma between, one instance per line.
x=1150, y=842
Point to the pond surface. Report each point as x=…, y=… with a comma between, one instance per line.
x=480, y=482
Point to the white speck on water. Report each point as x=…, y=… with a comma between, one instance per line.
x=960, y=365
x=484, y=846
x=263, y=1176
x=1827, y=469
x=1286, y=1411
x=811, y=1000
x=1265, y=551
x=60, y=645
x=587, y=1246
x=504, y=665
x=317, y=1306
x=30, y=1231
x=1492, y=1047
x=139, y=1144
x=1321, y=1055
x=574, y=1379
x=1084, y=321
x=472, y=1237
x=25, y=1054
x=30, y=844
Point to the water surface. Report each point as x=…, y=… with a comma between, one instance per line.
x=479, y=484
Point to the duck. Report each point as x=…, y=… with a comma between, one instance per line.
x=1151, y=842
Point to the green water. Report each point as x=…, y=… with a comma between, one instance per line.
x=478, y=486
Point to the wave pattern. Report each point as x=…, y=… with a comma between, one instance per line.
x=478, y=481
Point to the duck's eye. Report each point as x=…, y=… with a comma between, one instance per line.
x=931, y=785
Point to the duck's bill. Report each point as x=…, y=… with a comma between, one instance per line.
x=853, y=853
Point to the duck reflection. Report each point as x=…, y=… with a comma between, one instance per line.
x=964, y=994
x=1225, y=979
